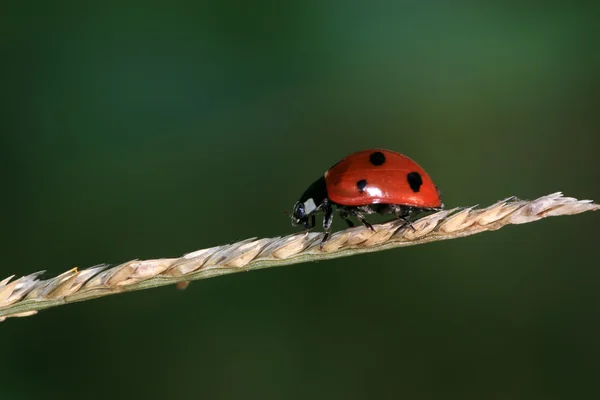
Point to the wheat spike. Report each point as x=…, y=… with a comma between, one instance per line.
x=27, y=295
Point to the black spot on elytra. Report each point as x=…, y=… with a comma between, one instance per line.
x=361, y=185
x=415, y=181
x=377, y=158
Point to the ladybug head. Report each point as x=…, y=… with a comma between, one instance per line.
x=299, y=216
x=309, y=204
x=304, y=213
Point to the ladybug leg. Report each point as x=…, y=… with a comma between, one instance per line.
x=404, y=215
x=407, y=221
x=362, y=219
x=327, y=220
x=344, y=214
x=309, y=223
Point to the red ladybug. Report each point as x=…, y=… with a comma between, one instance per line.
x=368, y=182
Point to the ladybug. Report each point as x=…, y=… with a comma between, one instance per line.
x=374, y=181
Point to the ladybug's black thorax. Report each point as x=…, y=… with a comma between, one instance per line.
x=316, y=191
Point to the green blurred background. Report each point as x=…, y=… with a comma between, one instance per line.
x=151, y=131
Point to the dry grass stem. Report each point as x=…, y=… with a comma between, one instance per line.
x=29, y=294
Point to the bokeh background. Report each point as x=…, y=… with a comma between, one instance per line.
x=154, y=130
